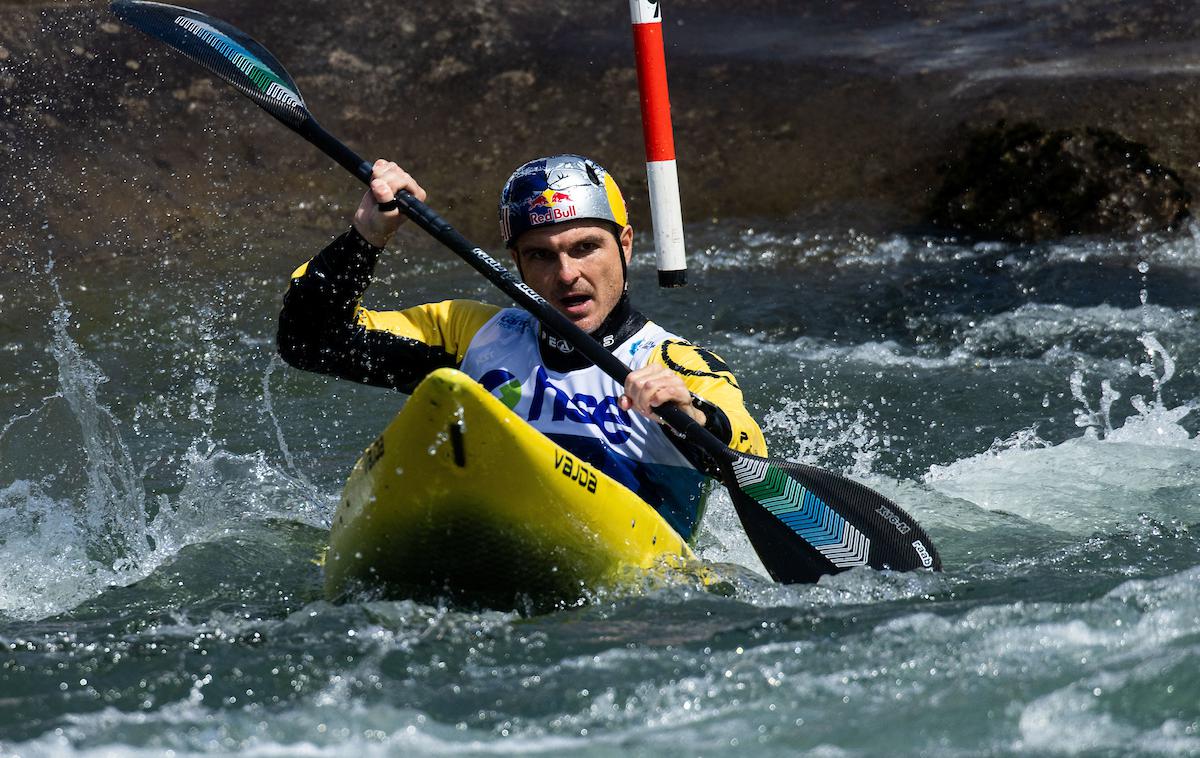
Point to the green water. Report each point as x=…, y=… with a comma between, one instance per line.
x=166, y=484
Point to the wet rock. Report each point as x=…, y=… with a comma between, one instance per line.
x=835, y=112
x=1027, y=183
x=344, y=60
x=446, y=68
x=200, y=90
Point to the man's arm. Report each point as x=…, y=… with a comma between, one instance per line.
x=701, y=384
x=323, y=327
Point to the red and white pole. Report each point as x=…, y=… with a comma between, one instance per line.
x=663, y=178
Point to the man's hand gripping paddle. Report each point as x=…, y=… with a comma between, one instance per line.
x=803, y=522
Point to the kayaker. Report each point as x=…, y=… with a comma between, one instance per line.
x=565, y=224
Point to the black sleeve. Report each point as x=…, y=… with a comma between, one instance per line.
x=318, y=330
x=716, y=422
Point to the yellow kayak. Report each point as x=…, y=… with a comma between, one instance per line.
x=460, y=498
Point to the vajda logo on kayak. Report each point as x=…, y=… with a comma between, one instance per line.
x=576, y=471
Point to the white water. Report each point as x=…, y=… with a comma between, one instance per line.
x=1103, y=481
x=1064, y=622
x=75, y=517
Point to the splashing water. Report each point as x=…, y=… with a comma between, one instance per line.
x=1088, y=484
x=76, y=518
x=838, y=439
x=100, y=535
x=1154, y=422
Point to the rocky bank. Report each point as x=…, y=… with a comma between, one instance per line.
x=840, y=113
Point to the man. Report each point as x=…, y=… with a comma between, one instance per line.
x=565, y=224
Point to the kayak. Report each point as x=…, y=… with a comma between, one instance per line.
x=461, y=499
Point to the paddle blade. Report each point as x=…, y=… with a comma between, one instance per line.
x=223, y=50
x=840, y=523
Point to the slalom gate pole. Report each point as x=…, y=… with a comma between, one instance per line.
x=661, y=174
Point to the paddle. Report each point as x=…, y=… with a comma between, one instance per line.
x=802, y=521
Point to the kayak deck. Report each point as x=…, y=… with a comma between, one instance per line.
x=459, y=498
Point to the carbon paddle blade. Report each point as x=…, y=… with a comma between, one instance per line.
x=223, y=50
x=805, y=522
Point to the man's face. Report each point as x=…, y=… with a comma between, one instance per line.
x=576, y=267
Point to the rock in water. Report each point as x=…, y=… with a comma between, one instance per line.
x=1025, y=183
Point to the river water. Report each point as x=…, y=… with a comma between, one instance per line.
x=166, y=484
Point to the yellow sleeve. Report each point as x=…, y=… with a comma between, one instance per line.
x=709, y=378
x=449, y=325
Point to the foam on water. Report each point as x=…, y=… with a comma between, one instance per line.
x=721, y=248
x=1024, y=675
x=888, y=354
x=1032, y=333
x=772, y=692
x=1102, y=481
x=1058, y=332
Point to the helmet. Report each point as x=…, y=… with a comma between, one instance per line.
x=555, y=189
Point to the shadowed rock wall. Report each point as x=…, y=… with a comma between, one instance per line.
x=838, y=112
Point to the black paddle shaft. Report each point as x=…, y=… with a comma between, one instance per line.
x=521, y=293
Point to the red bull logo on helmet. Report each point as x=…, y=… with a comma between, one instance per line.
x=551, y=206
x=549, y=199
